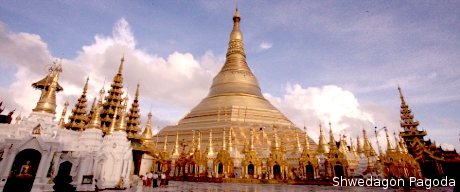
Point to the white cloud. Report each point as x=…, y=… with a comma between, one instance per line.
x=162, y=79
x=265, y=45
x=330, y=103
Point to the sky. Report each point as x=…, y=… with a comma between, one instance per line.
x=316, y=61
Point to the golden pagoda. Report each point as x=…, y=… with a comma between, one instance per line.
x=133, y=122
x=78, y=119
x=237, y=90
x=113, y=100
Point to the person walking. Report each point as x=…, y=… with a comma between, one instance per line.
x=149, y=179
x=144, y=180
x=155, y=180
x=163, y=179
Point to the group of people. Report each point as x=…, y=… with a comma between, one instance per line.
x=151, y=179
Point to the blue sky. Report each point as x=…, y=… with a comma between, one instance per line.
x=317, y=61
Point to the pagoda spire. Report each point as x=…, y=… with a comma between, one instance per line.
x=358, y=143
x=147, y=134
x=95, y=122
x=343, y=144
x=322, y=145
x=251, y=146
x=224, y=144
x=368, y=149
x=64, y=111
x=18, y=118
x=389, y=145
x=121, y=124
x=113, y=101
x=407, y=119
x=89, y=116
x=230, y=145
x=332, y=143
x=352, y=147
x=306, y=147
x=192, y=148
x=235, y=64
x=133, y=118
x=165, y=145
x=277, y=144
x=210, y=149
x=78, y=119
x=176, y=145
x=298, y=146
x=49, y=86
x=398, y=146
x=111, y=129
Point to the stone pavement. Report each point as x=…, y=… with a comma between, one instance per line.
x=236, y=187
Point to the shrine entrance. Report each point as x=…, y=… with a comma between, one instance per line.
x=251, y=169
x=338, y=170
x=309, y=173
x=220, y=168
x=277, y=171
x=23, y=171
x=63, y=179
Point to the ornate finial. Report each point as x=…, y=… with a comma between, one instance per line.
x=78, y=118
x=389, y=145
x=120, y=68
x=230, y=145
x=47, y=102
x=360, y=149
x=224, y=145
x=236, y=33
x=210, y=148
x=114, y=120
x=176, y=146
x=95, y=122
x=322, y=144
x=122, y=121
x=165, y=145
x=147, y=134
x=306, y=147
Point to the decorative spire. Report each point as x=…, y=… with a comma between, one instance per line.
x=243, y=79
x=95, y=122
x=298, y=146
x=224, y=145
x=398, y=146
x=332, y=143
x=407, y=119
x=165, y=145
x=199, y=141
x=78, y=119
x=133, y=118
x=389, y=145
x=210, y=149
x=251, y=146
x=193, y=147
x=120, y=68
x=368, y=149
x=147, y=134
x=403, y=145
x=64, y=111
x=277, y=145
x=306, y=148
x=360, y=149
x=114, y=120
x=121, y=124
x=49, y=87
x=113, y=100
x=343, y=144
x=322, y=145
x=352, y=147
x=176, y=146
x=230, y=145
x=89, y=116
